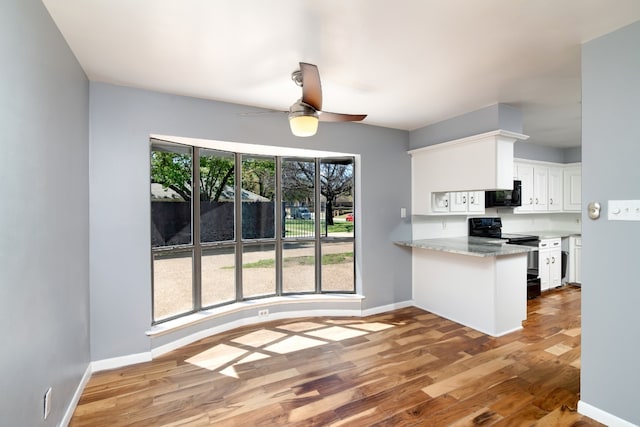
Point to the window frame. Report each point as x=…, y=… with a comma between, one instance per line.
x=239, y=243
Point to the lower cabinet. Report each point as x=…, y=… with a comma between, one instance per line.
x=575, y=259
x=550, y=263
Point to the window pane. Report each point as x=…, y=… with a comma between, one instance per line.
x=298, y=267
x=258, y=192
x=218, y=276
x=258, y=270
x=298, y=195
x=337, y=267
x=217, y=192
x=337, y=185
x=172, y=283
x=170, y=194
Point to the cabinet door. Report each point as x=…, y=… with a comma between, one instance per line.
x=572, y=183
x=540, y=193
x=476, y=201
x=458, y=201
x=555, y=268
x=524, y=173
x=440, y=202
x=578, y=264
x=544, y=262
x=555, y=189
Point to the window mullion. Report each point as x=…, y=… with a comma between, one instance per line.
x=279, y=230
x=238, y=224
x=197, y=247
x=318, y=225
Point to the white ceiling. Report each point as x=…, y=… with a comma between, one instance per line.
x=405, y=63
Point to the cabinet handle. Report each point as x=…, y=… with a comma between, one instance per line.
x=471, y=199
x=536, y=200
x=547, y=261
x=553, y=260
x=550, y=201
x=446, y=203
x=531, y=201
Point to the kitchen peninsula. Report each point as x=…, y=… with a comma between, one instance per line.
x=478, y=282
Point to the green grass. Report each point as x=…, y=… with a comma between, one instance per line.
x=302, y=260
x=341, y=227
x=305, y=227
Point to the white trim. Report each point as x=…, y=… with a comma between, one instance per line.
x=246, y=148
x=602, y=416
x=118, y=362
x=385, y=308
x=254, y=320
x=494, y=133
x=66, y=419
x=206, y=315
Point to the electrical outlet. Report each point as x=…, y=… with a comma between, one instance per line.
x=263, y=313
x=47, y=403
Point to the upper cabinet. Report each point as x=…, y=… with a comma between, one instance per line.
x=544, y=186
x=460, y=171
x=572, y=181
x=457, y=202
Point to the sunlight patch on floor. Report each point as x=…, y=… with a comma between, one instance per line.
x=256, y=345
x=216, y=357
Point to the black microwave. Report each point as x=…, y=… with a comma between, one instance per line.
x=504, y=198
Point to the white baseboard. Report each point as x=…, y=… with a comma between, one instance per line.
x=66, y=419
x=118, y=362
x=602, y=416
x=385, y=308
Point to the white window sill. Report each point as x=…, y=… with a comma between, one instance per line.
x=205, y=315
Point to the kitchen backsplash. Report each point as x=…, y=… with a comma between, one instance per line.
x=430, y=227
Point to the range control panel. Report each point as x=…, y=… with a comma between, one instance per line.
x=623, y=210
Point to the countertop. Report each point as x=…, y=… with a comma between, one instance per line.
x=549, y=234
x=473, y=246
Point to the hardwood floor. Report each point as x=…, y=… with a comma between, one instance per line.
x=407, y=367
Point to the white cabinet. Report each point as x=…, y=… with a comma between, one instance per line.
x=572, y=183
x=550, y=263
x=476, y=201
x=554, y=189
x=458, y=202
x=542, y=187
x=440, y=202
x=524, y=172
x=540, y=193
x=478, y=162
x=575, y=259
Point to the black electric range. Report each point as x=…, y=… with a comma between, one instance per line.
x=492, y=227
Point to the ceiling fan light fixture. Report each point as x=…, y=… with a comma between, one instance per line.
x=303, y=119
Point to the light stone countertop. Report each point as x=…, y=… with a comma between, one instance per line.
x=549, y=234
x=473, y=246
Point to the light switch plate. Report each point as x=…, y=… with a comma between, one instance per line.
x=623, y=210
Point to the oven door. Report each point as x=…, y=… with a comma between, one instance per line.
x=532, y=259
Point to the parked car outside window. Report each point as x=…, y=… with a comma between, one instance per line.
x=302, y=213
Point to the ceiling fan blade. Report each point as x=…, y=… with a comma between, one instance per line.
x=337, y=117
x=311, y=88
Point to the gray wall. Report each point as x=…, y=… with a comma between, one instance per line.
x=610, y=291
x=44, y=213
x=493, y=117
x=122, y=120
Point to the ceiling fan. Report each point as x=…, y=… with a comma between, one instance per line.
x=305, y=113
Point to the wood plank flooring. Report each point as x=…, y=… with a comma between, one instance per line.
x=407, y=367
